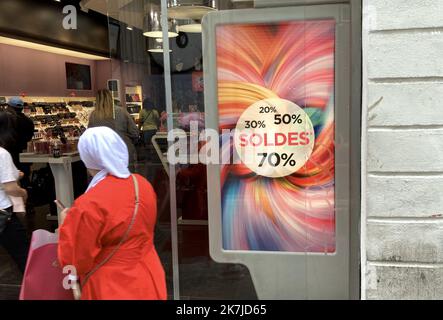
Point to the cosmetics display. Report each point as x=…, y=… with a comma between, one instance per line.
x=134, y=111
x=133, y=98
x=58, y=126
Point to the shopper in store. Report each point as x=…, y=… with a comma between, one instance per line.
x=24, y=131
x=108, y=231
x=107, y=114
x=12, y=233
x=149, y=121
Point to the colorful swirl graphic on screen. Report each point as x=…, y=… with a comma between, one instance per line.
x=292, y=61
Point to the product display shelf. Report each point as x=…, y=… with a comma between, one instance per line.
x=58, y=114
x=133, y=95
x=133, y=98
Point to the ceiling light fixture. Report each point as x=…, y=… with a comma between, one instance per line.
x=153, y=28
x=156, y=45
x=190, y=26
x=190, y=9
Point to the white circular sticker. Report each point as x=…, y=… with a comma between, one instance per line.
x=274, y=137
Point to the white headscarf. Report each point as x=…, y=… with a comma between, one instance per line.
x=101, y=148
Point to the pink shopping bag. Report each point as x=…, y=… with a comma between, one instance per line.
x=43, y=278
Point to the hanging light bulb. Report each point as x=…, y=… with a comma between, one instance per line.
x=190, y=9
x=153, y=28
x=189, y=26
x=156, y=45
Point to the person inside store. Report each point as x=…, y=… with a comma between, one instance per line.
x=107, y=235
x=149, y=121
x=24, y=131
x=107, y=114
x=12, y=232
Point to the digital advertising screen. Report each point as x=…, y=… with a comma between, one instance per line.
x=276, y=93
x=78, y=76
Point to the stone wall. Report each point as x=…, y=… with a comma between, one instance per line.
x=402, y=149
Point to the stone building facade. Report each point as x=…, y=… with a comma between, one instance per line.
x=402, y=150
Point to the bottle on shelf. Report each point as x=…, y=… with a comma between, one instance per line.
x=56, y=150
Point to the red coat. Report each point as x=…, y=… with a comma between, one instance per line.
x=96, y=223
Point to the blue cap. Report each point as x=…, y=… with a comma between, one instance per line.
x=16, y=102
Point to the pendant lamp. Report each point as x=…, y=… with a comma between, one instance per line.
x=152, y=26
x=156, y=45
x=189, y=26
x=190, y=9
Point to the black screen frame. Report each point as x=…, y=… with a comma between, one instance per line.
x=78, y=66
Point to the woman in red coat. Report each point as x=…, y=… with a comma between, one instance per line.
x=97, y=222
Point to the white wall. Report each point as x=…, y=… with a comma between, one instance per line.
x=402, y=175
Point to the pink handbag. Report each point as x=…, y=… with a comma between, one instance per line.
x=43, y=278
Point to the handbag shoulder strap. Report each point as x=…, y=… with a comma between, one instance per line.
x=125, y=236
x=148, y=114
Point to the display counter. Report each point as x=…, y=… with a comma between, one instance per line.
x=62, y=170
x=160, y=141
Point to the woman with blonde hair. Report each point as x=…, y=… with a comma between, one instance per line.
x=108, y=114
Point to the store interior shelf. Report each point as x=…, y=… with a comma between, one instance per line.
x=134, y=93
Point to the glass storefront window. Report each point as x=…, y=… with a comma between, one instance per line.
x=270, y=74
